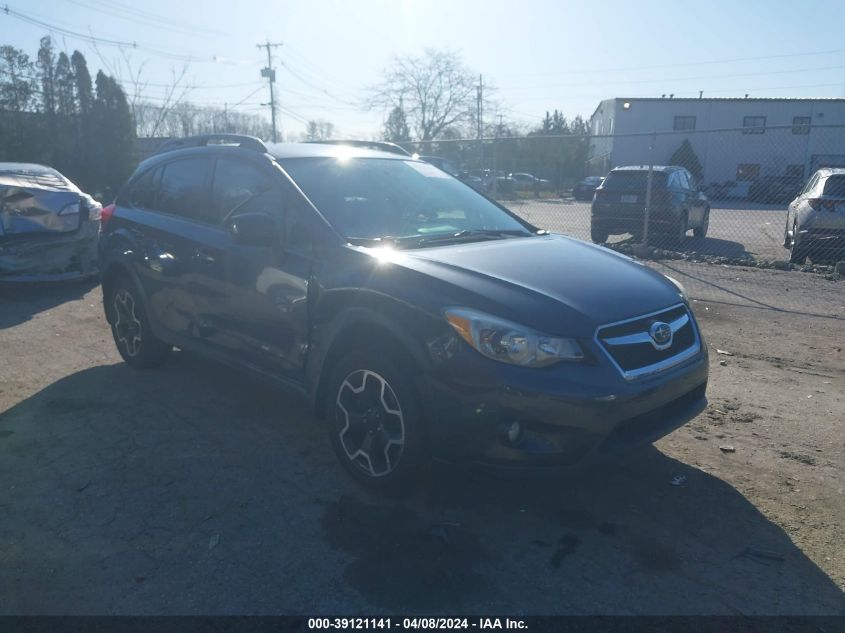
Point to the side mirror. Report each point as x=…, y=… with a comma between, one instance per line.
x=254, y=229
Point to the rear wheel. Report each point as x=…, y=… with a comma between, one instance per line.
x=375, y=423
x=131, y=328
x=679, y=234
x=598, y=233
x=701, y=231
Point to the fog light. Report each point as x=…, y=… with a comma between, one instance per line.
x=511, y=431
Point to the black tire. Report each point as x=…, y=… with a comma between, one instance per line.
x=130, y=326
x=598, y=233
x=701, y=231
x=679, y=234
x=798, y=253
x=375, y=423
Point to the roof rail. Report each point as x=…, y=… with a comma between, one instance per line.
x=241, y=140
x=383, y=146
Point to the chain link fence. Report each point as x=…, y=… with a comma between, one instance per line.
x=738, y=215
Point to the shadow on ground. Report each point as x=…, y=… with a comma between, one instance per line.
x=192, y=489
x=706, y=246
x=30, y=299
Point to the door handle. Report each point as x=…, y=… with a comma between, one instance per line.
x=162, y=260
x=204, y=257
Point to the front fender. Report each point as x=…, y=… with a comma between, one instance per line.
x=347, y=318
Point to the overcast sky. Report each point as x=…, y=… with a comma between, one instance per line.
x=540, y=54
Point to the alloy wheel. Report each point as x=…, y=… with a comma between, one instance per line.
x=127, y=327
x=370, y=423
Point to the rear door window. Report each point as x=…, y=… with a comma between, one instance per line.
x=183, y=190
x=142, y=194
x=835, y=186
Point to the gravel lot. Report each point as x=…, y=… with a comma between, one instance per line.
x=737, y=229
x=196, y=489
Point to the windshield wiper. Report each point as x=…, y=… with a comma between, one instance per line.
x=469, y=235
x=465, y=235
x=384, y=240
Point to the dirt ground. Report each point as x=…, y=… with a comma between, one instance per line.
x=194, y=489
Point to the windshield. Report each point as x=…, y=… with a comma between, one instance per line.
x=632, y=180
x=374, y=198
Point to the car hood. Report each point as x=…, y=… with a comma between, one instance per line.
x=553, y=282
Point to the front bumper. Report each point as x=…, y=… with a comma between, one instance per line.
x=570, y=414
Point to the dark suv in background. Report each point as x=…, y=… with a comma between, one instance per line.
x=677, y=205
x=420, y=317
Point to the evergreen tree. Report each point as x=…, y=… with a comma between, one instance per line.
x=84, y=127
x=82, y=79
x=16, y=87
x=47, y=74
x=396, y=128
x=114, y=141
x=64, y=80
x=685, y=156
x=17, y=97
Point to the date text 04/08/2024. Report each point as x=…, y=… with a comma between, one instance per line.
x=388, y=624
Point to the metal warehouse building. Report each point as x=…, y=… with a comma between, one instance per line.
x=734, y=139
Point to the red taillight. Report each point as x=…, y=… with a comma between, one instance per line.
x=106, y=214
x=817, y=204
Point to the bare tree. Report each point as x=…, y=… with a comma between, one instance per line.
x=318, y=130
x=436, y=90
x=149, y=117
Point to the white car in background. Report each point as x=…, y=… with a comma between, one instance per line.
x=815, y=220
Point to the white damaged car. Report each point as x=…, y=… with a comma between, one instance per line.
x=48, y=227
x=815, y=220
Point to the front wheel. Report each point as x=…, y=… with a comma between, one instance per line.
x=798, y=254
x=130, y=326
x=374, y=420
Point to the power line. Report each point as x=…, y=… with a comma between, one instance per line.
x=314, y=86
x=680, y=64
x=668, y=80
x=741, y=91
x=92, y=39
x=135, y=16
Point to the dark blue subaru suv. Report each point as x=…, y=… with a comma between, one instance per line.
x=422, y=319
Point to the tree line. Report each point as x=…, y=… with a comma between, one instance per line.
x=52, y=112
x=436, y=105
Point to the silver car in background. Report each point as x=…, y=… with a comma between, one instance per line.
x=815, y=220
x=48, y=227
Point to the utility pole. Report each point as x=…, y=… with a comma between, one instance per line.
x=479, y=107
x=496, y=158
x=270, y=73
x=648, y=185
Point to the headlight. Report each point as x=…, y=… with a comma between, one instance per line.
x=679, y=286
x=509, y=342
